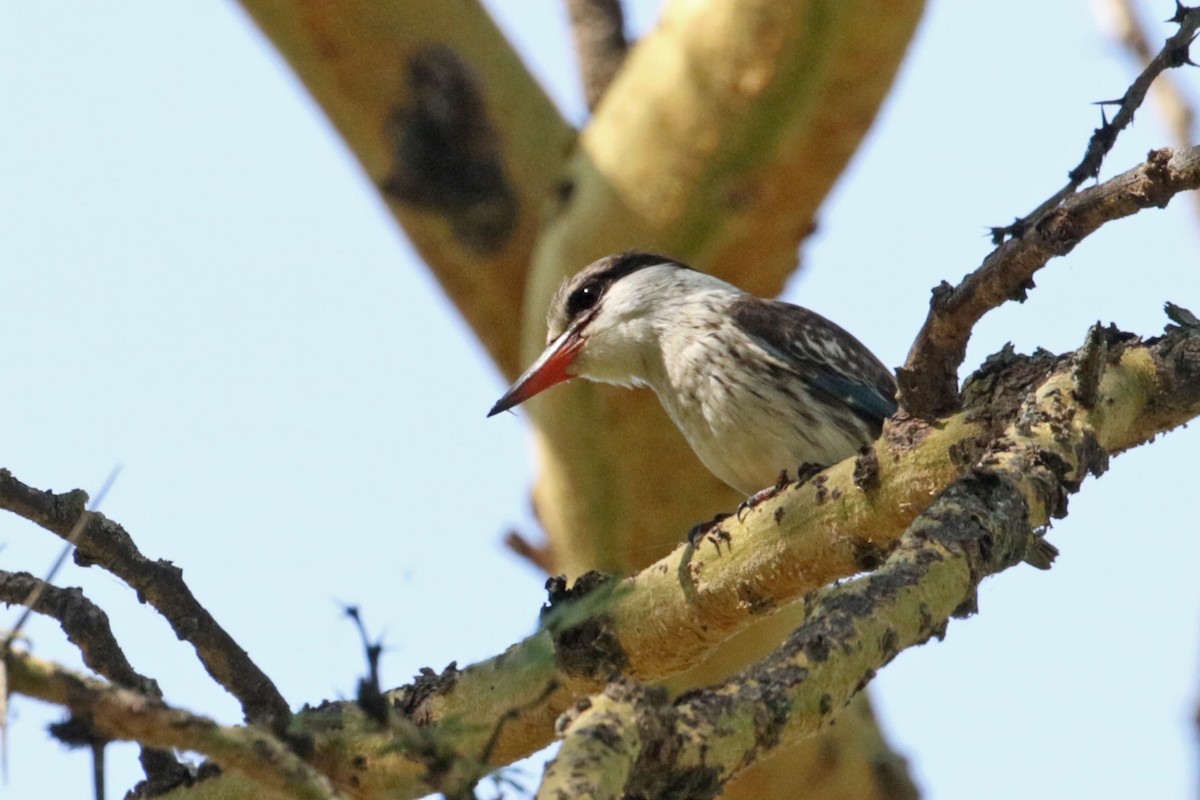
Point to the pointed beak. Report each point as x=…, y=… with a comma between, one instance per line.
x=549, y=369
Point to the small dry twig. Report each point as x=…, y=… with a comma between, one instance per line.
x=105, y=543
x=1178, y=114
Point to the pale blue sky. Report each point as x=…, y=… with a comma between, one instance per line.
x=198, y=283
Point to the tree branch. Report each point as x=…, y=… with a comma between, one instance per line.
x=1174, y=53
x=598, y=27
x=124, y=714
x=929, y=378
x=1022, y=425
x=977, y=527
x=795, y=543
x=86, y=626
x=1174, y=108
x=84, y=623
x=160, y=583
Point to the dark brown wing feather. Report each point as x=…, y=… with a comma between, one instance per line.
x=821, y=354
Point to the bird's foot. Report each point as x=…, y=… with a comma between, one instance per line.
x=711, y=528
x=807, y=470
x=751, y=502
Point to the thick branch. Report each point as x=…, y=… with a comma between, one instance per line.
x=978, y=527
x=598, y=753
x=598, y=27
x=160, y=583
x=929, y=378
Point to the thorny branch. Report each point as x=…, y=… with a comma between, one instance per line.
x=929, y=378
x=598, y=27
x=1174, y=53
x=1174, y=107
x=1166, y=93
x=160, y=583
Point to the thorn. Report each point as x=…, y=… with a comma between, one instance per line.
x=1181, y=55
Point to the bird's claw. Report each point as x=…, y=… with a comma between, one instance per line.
x=703, y=529
x=751, y=502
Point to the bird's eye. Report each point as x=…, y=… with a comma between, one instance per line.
x=583, y=298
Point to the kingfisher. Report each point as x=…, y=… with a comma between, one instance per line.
x=756, y=386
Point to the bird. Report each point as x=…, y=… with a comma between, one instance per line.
x=756, y=386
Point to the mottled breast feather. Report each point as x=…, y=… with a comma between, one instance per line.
x=823, y=355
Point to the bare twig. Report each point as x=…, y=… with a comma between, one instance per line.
x=86, y=626
x=1167, y=96
x=1174, y=53
x=37, y=587
x=600, y=44
x=539, y=555
x=160, y=583
x=929, y=378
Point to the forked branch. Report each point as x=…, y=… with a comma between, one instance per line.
x=929, y=378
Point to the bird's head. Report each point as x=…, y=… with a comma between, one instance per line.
x=604, y=323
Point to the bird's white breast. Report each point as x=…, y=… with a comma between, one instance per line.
x=746, y=423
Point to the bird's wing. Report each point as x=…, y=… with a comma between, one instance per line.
x=821, y=354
